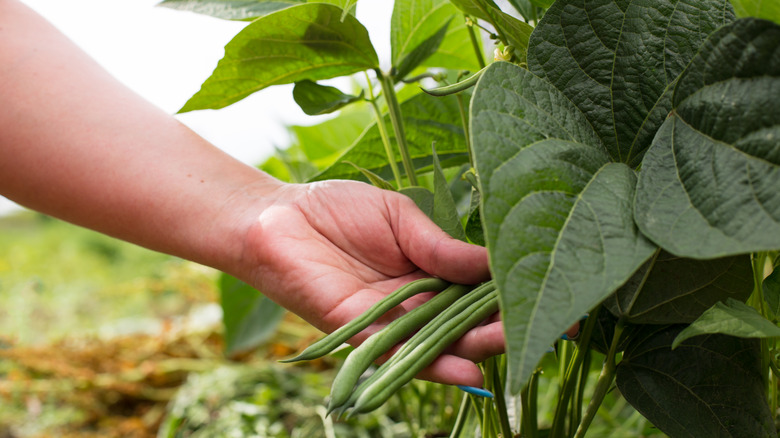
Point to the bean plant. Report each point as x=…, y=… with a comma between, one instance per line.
x=620, y=160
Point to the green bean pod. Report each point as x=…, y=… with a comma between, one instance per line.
x=457, y=87
x=341, y=335
x=404, y=370
x=380, y=342
x=453, y=311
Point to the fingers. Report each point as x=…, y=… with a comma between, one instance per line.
x=433, y=250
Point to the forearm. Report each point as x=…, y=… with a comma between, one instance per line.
x=76, y=144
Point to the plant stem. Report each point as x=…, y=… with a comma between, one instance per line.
x=398, y=125
x=500, y=401
x=475, y=44
x=465, y=122
x=380, y=123
x=604, y=382
x=460, y=420
x=528, y=400
x=572, y=375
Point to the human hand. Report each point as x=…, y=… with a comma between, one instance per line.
x=327, y=251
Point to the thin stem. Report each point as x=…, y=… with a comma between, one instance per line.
x=460, y=420
x=603, y=384
x=380, y=123
x=398, y=125
x=500, y=401
x=572, y=375
x=475, y=43
x=528, y=401
x=465, y=122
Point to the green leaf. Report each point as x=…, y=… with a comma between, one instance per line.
x=231, y=9
x=766, y=9
x=315, y=99
x=249, y=317
x=710, y=386
x=417, y=29
x=308, y=41
x=422, y=197
x=771, y=290
x=320, y=142
x=427, y=119
x=616, y=60
x=557, y=213
x=245, y=10
x=708, y=186
x=673, y=290
x=373, y=178
x=733, y=318
x=445, y=212
x=511, y=30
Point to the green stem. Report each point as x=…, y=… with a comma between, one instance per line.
x=475, y=44
x=500, y=401
x=460, y=420
x=603, y=383
x=380, y=123
x=572, y=375
x=398, y=125
x=528, y=402
x=465, y=122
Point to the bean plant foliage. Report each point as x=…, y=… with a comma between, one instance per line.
x=624, y=160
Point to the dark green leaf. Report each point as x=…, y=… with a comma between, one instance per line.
x=231, y=9
x=710, y=386
x=708, y=186
x=733, y=318
x=673, y=290
x=556, y=212
x=771, y=289
x=616, y=59
x=249, y=317
x=445, y=212
x=315, y=99
x=308, y=41
x=427, y=119
x=766, y=9
x=417, y=29
x=473, y=229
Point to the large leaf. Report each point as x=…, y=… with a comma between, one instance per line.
x=557, y=213
x=708, y=186
x=710, y=386
x=308, y=41
x=616, y=59
x=427, y=119
x=249, y=317
x=231, y=9
x=733, y=318
x=243, y=9
x=674, y=290
x=766, y=9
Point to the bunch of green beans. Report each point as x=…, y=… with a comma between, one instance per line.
x=433, y=326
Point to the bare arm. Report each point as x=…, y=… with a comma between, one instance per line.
x=76, y=144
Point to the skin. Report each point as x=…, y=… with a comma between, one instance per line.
x=78, y=145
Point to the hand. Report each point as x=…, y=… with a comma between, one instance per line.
x=327, y=251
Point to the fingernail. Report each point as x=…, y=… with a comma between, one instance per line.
x=476, y=391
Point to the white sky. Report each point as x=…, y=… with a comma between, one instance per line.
x=164, y=55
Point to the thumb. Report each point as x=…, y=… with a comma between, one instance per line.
x=433, y=250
